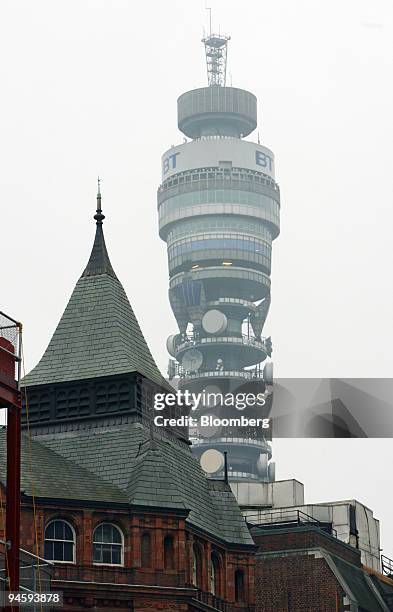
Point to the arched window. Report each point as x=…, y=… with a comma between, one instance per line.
x=239, y=585
x=59, y=542
x=196, y=566
x=169, y=553
x=108, y=547
x=215, y=574
x=146, y=550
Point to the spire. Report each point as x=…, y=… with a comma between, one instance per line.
x=99, y=262
x=98, y=334
x=99, y=217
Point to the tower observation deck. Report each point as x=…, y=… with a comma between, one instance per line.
x=219, y=211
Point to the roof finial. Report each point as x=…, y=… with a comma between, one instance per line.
x=99, y=217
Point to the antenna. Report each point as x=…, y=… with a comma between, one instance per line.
x=208, y=8
x=216, y=48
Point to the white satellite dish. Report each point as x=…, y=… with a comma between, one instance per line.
x=208, y=431
x=192, y=360
x=212, y=461
x=214, y=322
x=171, y=343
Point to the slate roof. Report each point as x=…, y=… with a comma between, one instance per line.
x=98, y=334
x=47, y=474
x=357, y=582
x=167, y=476
x=385, y=588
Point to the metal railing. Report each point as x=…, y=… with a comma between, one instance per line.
x=288, y=518
x=244, y=339
x=35, y=573
x=387, y=566
x=255, y=374
x=211, y=600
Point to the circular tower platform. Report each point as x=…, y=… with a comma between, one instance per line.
x=224, y=111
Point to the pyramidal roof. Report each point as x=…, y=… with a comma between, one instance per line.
x=98, y=334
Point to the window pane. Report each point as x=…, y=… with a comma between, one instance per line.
x=98, y=534
x=106, y=553
x=116, y=555
x=58, y=551
x=107, y=533
x=68, y=551
x=97, y=553
x=68, y=535
x=48, y=554
x=59, y=530
x=116, y=537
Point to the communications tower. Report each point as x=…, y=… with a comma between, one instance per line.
x=219, y=210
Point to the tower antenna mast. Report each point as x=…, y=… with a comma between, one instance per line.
x=210, y=20
x=216, y=50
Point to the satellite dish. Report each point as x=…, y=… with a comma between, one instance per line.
x=212, y=461
x=209, y=431
x=214, y=322
x=171, y=344
x=192, y=360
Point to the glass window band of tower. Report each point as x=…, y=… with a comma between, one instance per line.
x=220, y=241
x=217, y=196
x=221, y=201
x=205, y=225
x=218, y=177
x=239, y=282
x=214, y=248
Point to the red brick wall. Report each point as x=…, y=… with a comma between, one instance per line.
x=298, y=539
x=133, y=525
x=293, y=580
x=296, y=584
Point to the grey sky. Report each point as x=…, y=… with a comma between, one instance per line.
x=90, y=87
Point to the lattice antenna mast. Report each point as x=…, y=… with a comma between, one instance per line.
x=216, y=49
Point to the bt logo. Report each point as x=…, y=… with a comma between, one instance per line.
x=169, y=163
x=264, y=160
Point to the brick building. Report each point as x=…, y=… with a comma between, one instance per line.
x=124, y=511
x=301, y=566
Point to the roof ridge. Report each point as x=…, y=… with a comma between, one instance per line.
x=148, y=486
